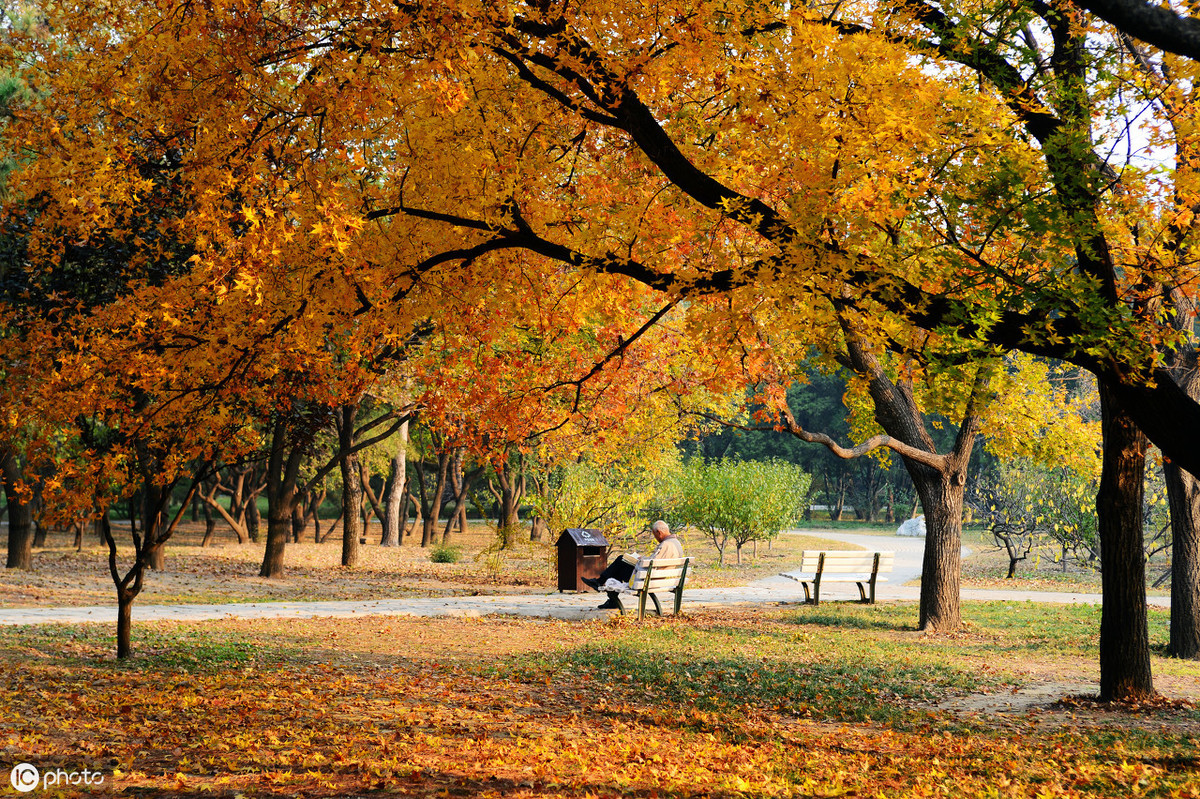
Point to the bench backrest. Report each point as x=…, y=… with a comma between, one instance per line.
x=839, y=562
x=665, y=574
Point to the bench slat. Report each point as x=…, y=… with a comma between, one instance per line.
x=667, y=574
x=837, y=562
x=842, y=566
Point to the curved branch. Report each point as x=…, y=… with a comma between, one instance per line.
x=1153, y=24
x=790, y=425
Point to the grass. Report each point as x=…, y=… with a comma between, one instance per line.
x=829, y=701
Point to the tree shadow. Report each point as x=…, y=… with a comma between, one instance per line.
x=858, y=617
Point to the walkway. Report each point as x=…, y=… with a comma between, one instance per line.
x=770, y=591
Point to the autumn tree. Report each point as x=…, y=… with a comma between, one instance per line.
x=805, y=156
x=1070, y=301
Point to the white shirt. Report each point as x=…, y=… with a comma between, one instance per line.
x=669, y=547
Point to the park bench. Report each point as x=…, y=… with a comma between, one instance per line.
x=834, y=566
x=651, y=576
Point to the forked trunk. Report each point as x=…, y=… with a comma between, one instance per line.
x=283, y=495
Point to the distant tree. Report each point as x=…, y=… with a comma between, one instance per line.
x=1028, y=507
x=740, y=501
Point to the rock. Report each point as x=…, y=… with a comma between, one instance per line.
x=912, y=527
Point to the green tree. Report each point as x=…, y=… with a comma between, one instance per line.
x=739, y=501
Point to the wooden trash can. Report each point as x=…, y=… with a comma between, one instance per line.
x=581, y=553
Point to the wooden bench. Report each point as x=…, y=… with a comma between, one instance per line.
x=652, y=576
x=835, y=566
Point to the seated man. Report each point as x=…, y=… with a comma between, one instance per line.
x=621, y=569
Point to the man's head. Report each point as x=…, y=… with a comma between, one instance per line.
x=660, y=531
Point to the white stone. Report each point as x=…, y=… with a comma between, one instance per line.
x=912, y=527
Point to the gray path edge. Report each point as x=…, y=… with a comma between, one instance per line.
x=777, y=590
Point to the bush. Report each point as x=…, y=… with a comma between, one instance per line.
x=445, y=553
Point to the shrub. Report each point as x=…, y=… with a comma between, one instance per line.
x=445, y=553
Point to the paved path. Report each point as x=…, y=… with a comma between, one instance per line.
x=769, y=591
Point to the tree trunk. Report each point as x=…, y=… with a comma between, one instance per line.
x=352, y=525
x=508, y=494
x=154, y=502
x=1124, y=633
x=940, y=480
x=210, y=525
x=278, y=531
x=431, y=516
x=253, y=520
x=395, y=497
x=238, y=519
x=941, y=494
x=315, y=500
x=283, y=468
x=154, y=536
x=124, y=624
x=460, y=486
x=20, y=517
x=299, y=517
x=351, y=486
x=1183, y=494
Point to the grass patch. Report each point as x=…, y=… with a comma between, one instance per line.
x=445, y=553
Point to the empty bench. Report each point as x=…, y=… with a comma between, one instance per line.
x=652, y=576
x=835, y=566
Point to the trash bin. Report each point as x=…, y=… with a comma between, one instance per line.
x=581, y=553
